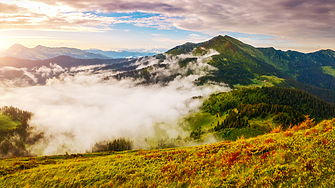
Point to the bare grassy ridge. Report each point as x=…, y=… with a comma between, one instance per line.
x=300, y=156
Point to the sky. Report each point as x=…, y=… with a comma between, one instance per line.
x=301, y=25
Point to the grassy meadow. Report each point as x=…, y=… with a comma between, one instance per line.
x=301, y=156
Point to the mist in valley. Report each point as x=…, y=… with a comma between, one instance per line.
x=77, y=107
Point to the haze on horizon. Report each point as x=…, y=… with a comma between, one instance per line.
x=301, y=25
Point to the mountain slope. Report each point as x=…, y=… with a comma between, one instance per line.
x=295, y=158
x=42, y=52
x=243, y=64
x=305, y=68
x=255, y=111
x=254, y=102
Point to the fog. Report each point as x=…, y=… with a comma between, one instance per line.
x=76, y=111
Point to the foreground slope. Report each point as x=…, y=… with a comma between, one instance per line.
x=300, y=156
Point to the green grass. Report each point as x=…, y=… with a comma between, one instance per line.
x=296, y=158
x=203, y=120
x=7, y=123
x=329, y=70
x=265, y=124
x=235, y=133
x=270, y=81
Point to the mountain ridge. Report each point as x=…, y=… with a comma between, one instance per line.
x=42, y=52
x=242, y=64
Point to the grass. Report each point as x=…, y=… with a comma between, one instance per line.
x=266, y=123
x=270, y=81
x=329, y=70
x=295, y=158
x=203, y=120
x=7, y=123
x=236, y=133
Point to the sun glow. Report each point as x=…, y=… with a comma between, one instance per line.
x=3, y=44
x=39, y=7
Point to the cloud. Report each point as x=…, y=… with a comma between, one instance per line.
x=300, y=20
x=76, y=110
x=39, y=16
x=10, y=8
x=296, y=21
x=80, y=111
x=159, y=22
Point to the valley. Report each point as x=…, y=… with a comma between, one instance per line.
x=219, y=111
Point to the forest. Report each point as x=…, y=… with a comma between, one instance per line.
x=120, y=144
x=264, y=107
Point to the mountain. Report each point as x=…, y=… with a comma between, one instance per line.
x=122, y=54
x=242, y=64
x=237, y=64
x=264, y=136
x=31, y=72
x=63, y=61
x=42, y=52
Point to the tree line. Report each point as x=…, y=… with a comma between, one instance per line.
x=119, y=144
x=298, y=100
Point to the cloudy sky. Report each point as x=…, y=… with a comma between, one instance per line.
x=303, y=25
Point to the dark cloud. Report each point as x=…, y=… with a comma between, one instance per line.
x=292, y=3
x=142, y=6
x=117, y=5
x=10, y=8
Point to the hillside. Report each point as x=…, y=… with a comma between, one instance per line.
x=313, y=68
x=242, y=64
x=255, y=111
x=299, y=157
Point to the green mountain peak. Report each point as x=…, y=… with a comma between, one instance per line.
x=219, y=43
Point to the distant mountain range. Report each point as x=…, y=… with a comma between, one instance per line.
x=43, y=52
x=126, y=54
x=63, y=61
x=236, y=63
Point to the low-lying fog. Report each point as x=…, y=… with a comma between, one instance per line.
x=79, y=110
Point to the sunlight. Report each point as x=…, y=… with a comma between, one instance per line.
x=39, y=7
x=3, y=44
